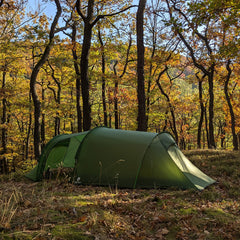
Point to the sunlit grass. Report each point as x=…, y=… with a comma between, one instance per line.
x=8, y=208
x=57, y=209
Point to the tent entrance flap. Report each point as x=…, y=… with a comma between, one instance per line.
x=69, y=158
x=195, y=175
x=159, y=170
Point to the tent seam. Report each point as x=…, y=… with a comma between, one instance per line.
x=173, y=160
x=80, y=147
x=140, y=166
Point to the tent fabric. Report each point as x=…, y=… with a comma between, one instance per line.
x=110, y=156
x=59, y=151
x=129, y=159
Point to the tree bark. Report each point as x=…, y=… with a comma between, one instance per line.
x=43, y=120
x=103, y=78
x=87, y=36
x=201, y=115
x=222, y=132
x=78, y=78
x=116, y=114
x=28, y=135
x=206, y=128
x=85, y=76
x=233, y=121
x=210, y=108
x=115, y=97
x=4, y=114
x=141, y=118
x=3, y=160
x=202, y=108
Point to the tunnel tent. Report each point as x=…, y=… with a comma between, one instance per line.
x=129, y=159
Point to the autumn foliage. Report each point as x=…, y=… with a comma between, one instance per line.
x=191, y=73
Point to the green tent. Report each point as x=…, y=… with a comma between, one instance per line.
x=130, y=159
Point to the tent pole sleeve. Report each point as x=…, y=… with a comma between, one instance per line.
x=140, y=165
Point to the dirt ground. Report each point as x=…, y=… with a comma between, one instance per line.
x=58, y=209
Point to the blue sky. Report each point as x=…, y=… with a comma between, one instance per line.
x=47, y=7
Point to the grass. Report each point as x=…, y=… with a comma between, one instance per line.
x=57, y=209
x=8, y=209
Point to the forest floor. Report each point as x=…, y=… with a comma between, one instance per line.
x=57, y=209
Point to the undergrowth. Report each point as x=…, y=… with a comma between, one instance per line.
x=57, y=209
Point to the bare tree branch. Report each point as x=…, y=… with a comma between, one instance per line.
x=110, y=15
x=127, y=61
x=78, y=7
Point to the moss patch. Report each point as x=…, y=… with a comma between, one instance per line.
x=70, y=232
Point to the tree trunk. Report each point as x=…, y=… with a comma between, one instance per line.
x=58, y=100
x=43, y=120
x=170, y=107
x=78, y=78
x=85, y=77
x=174, y=123
x=150, y=77
x=202, y=107
x=208, y=71
x=222, y=132
x=103, y=78
x=33, y=81
x=116, y=83
x=238, y=135
x=89, y=23
x=87, y=36
x=203, y=134
x=57, y=97
x=43, y=139
x=3, y=160
x=141, y=118
x=201, y=115
x=233, y=121
x=206, y=127
x=4, y=115
x=116, y=123
x=37, y=112
x=210, y=108
x=116, y=114
x=28, y=135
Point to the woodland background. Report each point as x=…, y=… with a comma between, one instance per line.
x=153, y=65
